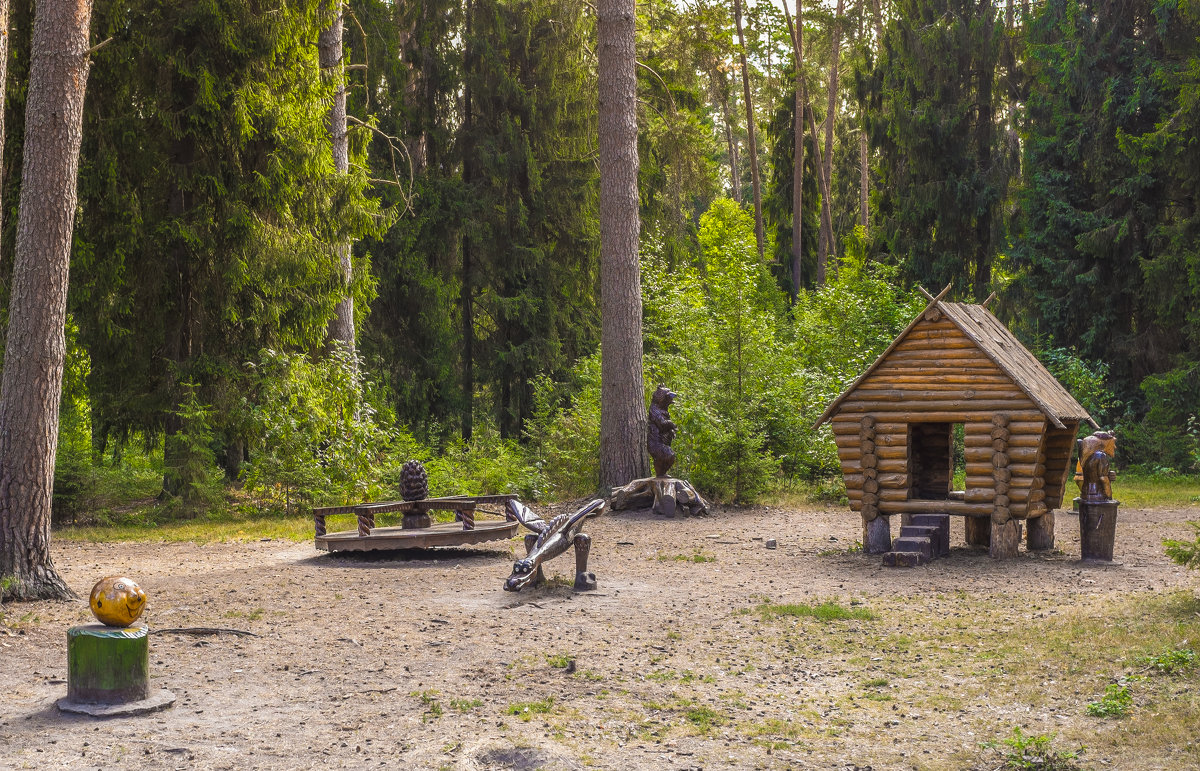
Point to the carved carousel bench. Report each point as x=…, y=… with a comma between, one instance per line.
x=417, y=529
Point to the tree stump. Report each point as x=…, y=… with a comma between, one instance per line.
x=877, y=534
x=1040, y=535
x=1097, y=530
x=664, y=495
x=108, y=672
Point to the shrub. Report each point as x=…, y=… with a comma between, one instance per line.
x=318, y=436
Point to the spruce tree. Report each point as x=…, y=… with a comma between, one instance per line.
x=944, y=170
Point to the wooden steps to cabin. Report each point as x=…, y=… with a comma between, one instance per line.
x=925, y=538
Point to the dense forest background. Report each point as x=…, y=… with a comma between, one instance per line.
x=1047, y=152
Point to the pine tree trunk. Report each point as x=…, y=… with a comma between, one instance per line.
x=823, y=183
x=3, y=89
x=827, y=243
x=31, y=390
x=984, y=138
x=801, y=98
x=467, y=293
x=722, y=98
x=864, y=173
x=622, y=396
x=751, y=145
x=329, y=45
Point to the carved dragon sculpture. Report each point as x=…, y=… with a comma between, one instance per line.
x=552, y=539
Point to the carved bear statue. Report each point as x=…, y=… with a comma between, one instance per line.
x=660, y=431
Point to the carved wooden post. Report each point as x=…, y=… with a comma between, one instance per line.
x=366, y=521
x=877, y=528
x=319, y=523
x=1005, y=531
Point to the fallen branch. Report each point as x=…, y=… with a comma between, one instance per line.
x=204, y=630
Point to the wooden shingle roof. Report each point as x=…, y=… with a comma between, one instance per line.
x=1004, y=349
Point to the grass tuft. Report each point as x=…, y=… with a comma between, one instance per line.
x=826, y=611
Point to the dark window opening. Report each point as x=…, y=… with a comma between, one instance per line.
x=934, y=452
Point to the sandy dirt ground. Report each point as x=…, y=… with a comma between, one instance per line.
x=420, y=660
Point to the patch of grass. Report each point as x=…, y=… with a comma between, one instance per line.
x=558, y=660
x=527, y=709
x=253, y=615
x=877, y=682
x=697, y=556
x=704, y=718
x=1145, y=490
x=465, y=705
x=672, y=635
x=1116, y=702
x=433, y=708
x=825, y=611
x=1026, y=752
x=1170, y=661
x=227, y=527
x=587, y=674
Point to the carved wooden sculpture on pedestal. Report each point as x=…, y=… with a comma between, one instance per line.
x=661, y=493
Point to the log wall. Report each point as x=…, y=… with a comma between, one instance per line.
x=1015, y=467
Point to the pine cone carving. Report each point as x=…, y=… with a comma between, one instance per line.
x=414, y=482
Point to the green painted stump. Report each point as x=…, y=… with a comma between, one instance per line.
x=108, y=671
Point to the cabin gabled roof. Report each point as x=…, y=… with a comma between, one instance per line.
x=1004, y=349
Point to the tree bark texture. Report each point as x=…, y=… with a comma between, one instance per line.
x=835, y=54
x=751, y=144
x=3, y=83
x=721, y=96
x=823, y=183
x=622, y=396
x=801, y=99
x=31, y=390
x=329, y=45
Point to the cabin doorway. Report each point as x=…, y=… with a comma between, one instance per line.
x=932, y=451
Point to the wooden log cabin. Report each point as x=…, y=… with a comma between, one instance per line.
x=956, y=364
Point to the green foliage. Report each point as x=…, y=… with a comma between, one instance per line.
x=191, y=471
x=1106, y=260
x=1116, y=702
x=208, y=204
x=932, y=102
x=1186, y=553
x=1085, y=380
x=527, y=709
x=1030, y=752
x=1168, y=435
x=318, y=437
x=713, y=334
x=1170, y=661
x=564, y=433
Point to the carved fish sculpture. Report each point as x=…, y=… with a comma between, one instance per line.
x=552, y=539
x=117, y=601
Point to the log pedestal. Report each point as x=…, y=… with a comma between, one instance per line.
x=108, y=672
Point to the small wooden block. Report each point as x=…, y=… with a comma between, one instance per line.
x=914, y=544
x=904, y=559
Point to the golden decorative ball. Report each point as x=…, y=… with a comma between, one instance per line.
x=117, y=601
